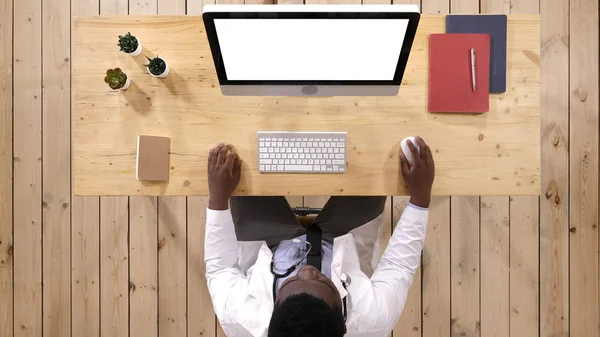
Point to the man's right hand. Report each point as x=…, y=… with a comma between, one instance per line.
x=418, y=176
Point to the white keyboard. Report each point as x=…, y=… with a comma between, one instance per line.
x=301, y=152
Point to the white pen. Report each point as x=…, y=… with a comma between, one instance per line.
x=473, y=83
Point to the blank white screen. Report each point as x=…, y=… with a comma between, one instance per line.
x=311, y=49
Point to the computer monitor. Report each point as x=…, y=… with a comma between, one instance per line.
x=310, y=50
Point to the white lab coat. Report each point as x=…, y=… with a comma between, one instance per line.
x=240, y=281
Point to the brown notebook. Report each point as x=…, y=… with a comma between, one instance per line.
x=152, y=158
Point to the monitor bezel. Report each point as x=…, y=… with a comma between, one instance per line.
x=209, y=17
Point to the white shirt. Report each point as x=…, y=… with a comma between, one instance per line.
x=240, y=281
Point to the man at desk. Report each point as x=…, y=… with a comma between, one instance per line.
x=269, y=276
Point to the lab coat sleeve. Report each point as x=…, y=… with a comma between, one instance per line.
x=394, y=273
x=227, y=282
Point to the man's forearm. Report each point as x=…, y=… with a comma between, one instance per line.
x=218, y=203
x=421, y=200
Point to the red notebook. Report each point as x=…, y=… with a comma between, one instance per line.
x=450, y=82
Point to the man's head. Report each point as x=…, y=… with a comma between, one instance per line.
x=308, y=304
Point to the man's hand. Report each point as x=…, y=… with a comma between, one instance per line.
x=418, y=176
x=223, y=176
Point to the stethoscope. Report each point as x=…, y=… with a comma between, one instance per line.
x=345, y=279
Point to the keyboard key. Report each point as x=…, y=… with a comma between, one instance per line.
x=337, y=162
x=321, y=144
x=318, y=150
x=267, y=139
x=287, y=161
x=304, y=161
x=271, y=155
x=342, y=150
x=310, y=161
x=329, y=169
x=327, y=144
x=263, y=155
x=285, y=144
x=305, y=140
x=340, y=145
x=297, y=144
x=336, y=150
x=339, y=156
x=279, y=167
x=278, y=155
x=276, y=150
x=293, y=161
x=284, y=155
x=317, y=168
x=331, y=156
x=279, y=140
x=328, y=162
x=329, y=150
x=264, y=161
x=261, y=144
x=303, y=144
x=294, y=150
x=335, y=168
x=279, y=144
x=329, y=139
x=298, y=167
x=270, y=150
x=263, y=150
x=302, y=156
x=261, y=167
x=312, y=150
x=320, y=156
x=295, y=156
x=323, y=168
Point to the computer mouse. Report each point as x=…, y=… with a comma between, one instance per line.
x=406, y=149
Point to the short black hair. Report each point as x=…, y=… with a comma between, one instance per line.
x=304, y=315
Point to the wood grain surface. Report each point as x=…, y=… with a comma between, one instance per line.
x=6, y=169
x=186, y=107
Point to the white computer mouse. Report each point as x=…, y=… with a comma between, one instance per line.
x=406, y=149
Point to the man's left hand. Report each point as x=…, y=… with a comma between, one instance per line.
x=224, y=172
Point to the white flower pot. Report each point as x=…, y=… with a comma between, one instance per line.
x=164, y=74
x=137, y=51
x=127, y=84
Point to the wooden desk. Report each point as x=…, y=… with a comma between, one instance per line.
x=497, y=153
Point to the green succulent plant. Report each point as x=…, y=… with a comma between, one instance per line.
x=156, y=65
x=128, y=43
x=115, y=78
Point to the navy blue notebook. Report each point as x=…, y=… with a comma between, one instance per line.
x=495, y=25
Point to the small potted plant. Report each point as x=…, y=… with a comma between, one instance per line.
x=129, y=44
x=157, y=67
x=117, y=79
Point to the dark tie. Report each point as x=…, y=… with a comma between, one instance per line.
x=313, y=236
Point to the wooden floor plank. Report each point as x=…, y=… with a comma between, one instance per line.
x=172, y=235
x=436, y=253
x=464, y=245
x=524, y=259
x=584, y=168
x=199, y=301
x=554, y=203
x=495, y=272
x=464, y=256
x=27, y=169
x=495, y=243
x=114, y=7
x=85, y=241
x=172, y=257
x=143, y=242
x=114, y=267
x=436, y=270
x=6, y=173
x=409, y=324
x=143, y=267
x=56, y=123
x=464, y=6
x=85, y=274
